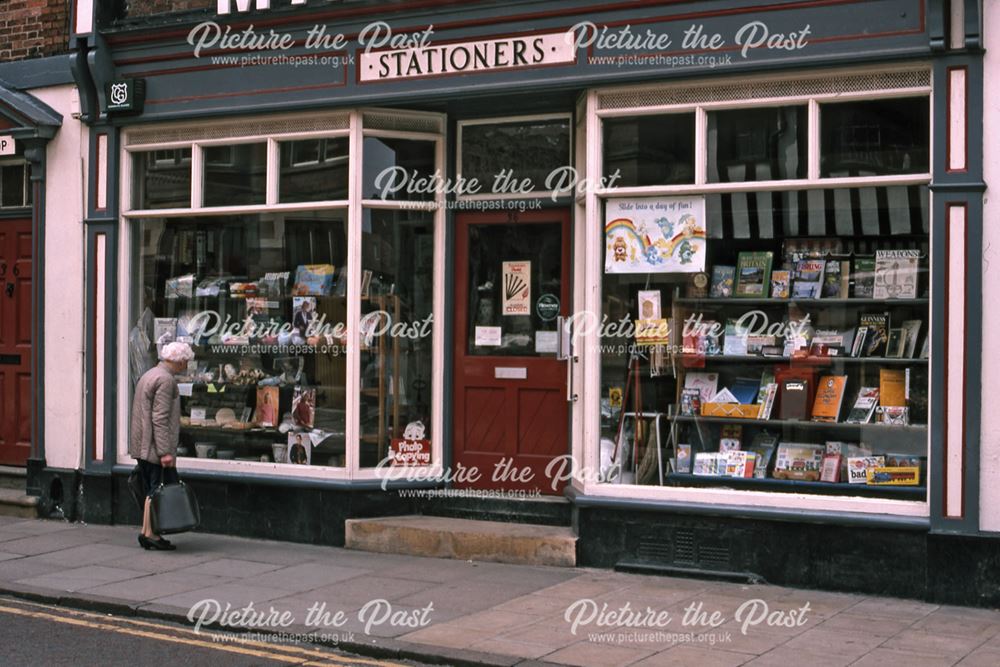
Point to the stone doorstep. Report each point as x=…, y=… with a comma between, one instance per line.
x=14, y=502
x=464, y=539
x=13, y=478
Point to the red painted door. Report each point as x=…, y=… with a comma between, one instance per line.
x=15, y=341
x=512, y=283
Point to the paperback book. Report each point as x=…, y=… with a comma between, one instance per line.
x=723, y=278
x=753, y=274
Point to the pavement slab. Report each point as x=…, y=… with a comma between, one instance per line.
x=487, y=612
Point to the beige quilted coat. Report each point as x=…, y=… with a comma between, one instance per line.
x=156, y=416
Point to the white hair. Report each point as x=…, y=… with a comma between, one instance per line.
x=176, y=352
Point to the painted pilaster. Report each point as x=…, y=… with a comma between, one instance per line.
x=957, y=361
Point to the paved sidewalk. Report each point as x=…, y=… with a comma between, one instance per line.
x=485, y=612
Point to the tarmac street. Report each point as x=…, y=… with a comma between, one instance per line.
x=84, y=594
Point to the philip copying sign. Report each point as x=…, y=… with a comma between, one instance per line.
x=7, y=144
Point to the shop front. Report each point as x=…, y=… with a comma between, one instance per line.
x=709, y=294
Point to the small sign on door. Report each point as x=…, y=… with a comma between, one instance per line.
x=517, y=288
x=7, y=145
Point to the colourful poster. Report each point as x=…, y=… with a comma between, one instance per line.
x=516, y=288
x=655, y=235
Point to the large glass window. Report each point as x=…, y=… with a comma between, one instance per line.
x=263, y=291
x=793, y=352
x=397, y=302
x=262, y=298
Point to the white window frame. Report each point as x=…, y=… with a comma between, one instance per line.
x=589, y=345
x=511, y=120
x=353, y=209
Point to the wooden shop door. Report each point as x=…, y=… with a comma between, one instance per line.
x=15, y=341
x=512, y=275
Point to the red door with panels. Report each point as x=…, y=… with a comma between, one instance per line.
x=15, y=341
x=512, y=284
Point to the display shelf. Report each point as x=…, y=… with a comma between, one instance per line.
x=802, y=424
x=797, y=486
x=218, y=430
x=730, y=301
x=805, y=361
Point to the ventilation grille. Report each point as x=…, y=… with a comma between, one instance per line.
x=264, y=126
x=762, y=89
x=685, y=547
x=382, y=120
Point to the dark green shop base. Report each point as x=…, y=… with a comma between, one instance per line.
x=875, y=560
x=902, y=562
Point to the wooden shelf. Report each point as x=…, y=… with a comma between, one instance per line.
x=796, y=486
x=805, y=361
x=729, y=301
x=810, y=425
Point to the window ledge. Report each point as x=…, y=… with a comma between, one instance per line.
x=741, y=512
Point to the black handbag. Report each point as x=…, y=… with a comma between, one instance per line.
x=174, y=509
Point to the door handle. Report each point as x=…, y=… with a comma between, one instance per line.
x=10, y=290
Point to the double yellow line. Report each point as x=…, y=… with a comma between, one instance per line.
x=179, y=635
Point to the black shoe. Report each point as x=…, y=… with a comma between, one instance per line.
x=164, y=540
x=158, y=545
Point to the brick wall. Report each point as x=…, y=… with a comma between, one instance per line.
x=33, y=28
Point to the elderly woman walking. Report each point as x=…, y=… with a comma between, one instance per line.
x=155, y=428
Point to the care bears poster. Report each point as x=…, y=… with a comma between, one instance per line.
x=655, y=235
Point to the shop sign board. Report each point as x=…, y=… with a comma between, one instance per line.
x=488, y=55
x=7, y=146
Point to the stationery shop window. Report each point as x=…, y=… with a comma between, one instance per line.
x=397, y=300
x=398, y=169
x=776, y=340
x=263, y=300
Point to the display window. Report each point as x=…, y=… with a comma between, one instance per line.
x=310, y=307
x=765, y=331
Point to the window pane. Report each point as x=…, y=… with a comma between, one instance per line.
x=757, y=144
x=491, y=247
x=397, y=169
x=880, y=137
x=527, y=150
x=271, y=387
x=397, y=290
x=12, y=179
x=235, y=175
x=650, y=150
x=313, y=170
x=161, y=179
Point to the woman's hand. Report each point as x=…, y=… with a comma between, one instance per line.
x=167, y=461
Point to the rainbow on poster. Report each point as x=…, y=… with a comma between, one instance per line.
x=655, y=235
